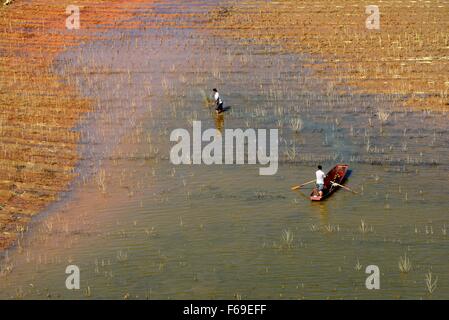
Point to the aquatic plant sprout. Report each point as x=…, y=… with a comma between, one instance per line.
x=296, y=124
x=287, y=239
x=404, y=264
x=431, y=283
x=383, y=116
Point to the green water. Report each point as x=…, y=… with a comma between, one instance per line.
x=152, y=230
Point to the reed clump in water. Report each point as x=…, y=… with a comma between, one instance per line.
x=296, y=124
x=358, y=266
x=364, y=228
x=405, y=266
x=38, y=150
x=431, y=282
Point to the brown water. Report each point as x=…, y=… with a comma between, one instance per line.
x=140, y=227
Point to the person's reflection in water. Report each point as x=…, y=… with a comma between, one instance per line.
x=219, y=122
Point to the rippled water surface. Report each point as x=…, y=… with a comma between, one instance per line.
x=140, y=227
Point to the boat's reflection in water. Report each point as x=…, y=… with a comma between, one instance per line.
x=321, y=210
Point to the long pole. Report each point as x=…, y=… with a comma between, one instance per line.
x=302, y=185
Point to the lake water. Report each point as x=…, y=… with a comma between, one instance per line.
x=139, y=227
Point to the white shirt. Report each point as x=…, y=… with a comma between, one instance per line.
x=217, y=97
x=320, y=177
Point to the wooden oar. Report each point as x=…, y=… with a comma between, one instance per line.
x=337, y=184
x=302, y=185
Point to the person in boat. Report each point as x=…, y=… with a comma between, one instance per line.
x=320, y=180
x=218, y=101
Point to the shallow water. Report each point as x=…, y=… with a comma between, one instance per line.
x=140, y=227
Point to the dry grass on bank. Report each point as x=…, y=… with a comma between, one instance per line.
x=408, y=55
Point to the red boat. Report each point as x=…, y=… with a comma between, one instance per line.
x=336, y=174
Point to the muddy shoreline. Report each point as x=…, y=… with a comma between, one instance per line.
x=407, y=56
x=40, y=112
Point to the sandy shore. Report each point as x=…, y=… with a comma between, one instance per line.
x=408, y=55
x=38, y=150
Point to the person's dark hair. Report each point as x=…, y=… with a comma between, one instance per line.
x=320, y=167
x=214, y=90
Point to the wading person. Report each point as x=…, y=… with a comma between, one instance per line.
x=320, y=180
x=218, y=101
